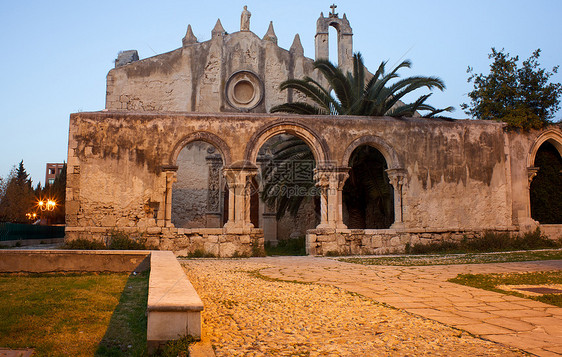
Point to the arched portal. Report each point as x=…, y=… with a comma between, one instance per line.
x=368, y=196
x=197, y=200
x=546, y=186
x=289, y=203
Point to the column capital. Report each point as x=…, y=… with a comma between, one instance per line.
x=169, y=168
x=396, y=176
x=532, y=171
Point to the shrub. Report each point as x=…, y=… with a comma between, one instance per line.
x=179, y=347
x=83, y=244
x=122, y=241
x=257, y=249
x=200, y=253
x=292, y=246
x=116, y=241
x=487, y=242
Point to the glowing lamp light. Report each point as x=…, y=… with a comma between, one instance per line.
x=47, y=205
x=31, y=216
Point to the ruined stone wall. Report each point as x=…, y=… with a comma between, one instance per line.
x=199, y=76
x=458, y=176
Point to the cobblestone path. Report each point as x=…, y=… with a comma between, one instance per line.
x=250, y=314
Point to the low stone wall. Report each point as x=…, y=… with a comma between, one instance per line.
x=218, y=242
x=552, y=231
x=46, y=261
x=174, y=308
x=214, y=241
x=380, y=241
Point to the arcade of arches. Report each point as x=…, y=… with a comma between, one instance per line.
x=430, y=179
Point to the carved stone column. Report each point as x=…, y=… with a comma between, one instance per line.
x=527, y=223
x=213, y=215
x=342, y=175
x=239, y=181
x=397, y=178
x=331, y=181
x=171, y=177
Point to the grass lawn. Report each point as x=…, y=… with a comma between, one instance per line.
x=74, y=314
x=490, y=281
x=468, y=258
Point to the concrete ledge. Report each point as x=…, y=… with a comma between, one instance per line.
x=174, y=308
x=46, y=261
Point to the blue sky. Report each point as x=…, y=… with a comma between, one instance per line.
x=55, y=55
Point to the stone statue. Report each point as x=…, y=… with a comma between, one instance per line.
x=245, y=19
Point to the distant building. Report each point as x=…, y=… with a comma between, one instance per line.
x=52, y=171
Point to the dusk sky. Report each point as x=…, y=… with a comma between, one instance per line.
x=55, y=55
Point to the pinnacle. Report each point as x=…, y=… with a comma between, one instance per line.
x=296, y=47
x=218, y=30
x=189, y=37
x=270, y=34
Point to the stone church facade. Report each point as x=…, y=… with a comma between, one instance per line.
x=206, y=106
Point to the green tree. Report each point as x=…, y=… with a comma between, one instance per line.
x=522, y=96
x=18, y=198
x=347, y=94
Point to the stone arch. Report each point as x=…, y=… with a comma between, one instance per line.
x=553, y=136
x=378, y=143
x=207, y=137
x=544, y=198
x=316, y=143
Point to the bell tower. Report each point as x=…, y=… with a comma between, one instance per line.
x=345, y=38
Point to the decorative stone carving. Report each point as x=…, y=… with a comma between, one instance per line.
x=244, y=90
x=531, y=173
x=245, y=19
x=214, y=162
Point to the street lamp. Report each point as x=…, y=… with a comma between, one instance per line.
x=47, y=205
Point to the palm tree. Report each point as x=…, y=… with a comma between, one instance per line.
x=353, y=94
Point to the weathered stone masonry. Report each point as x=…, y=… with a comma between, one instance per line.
x=448, y=177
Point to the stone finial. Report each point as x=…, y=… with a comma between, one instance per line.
x=296, y=47
x=126, y=57
x=344, y=17
x=270, y=34
x=218, y=30
x=245, y=19
x=321, y=14
x=189, y=37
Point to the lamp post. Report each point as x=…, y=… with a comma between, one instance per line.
x=47, y=205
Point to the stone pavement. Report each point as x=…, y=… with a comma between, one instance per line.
x=249, y=315
x=526, y=324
